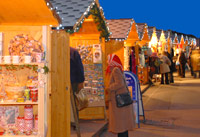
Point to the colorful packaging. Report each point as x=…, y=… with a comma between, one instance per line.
x=34, y=94
x=28, y=112
x=20, y=124
x=28, y=125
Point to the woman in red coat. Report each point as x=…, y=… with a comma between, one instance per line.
x=120, y=119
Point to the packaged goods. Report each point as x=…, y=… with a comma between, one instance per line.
x=28, y=112
x=20, y=124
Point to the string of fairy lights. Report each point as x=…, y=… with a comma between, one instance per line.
x=97, y=14
x=102, y=26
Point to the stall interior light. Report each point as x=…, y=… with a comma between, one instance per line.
x=153, y=42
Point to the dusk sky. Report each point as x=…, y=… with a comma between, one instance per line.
x=178, y=15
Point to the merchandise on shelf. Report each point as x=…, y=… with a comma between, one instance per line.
x=11, y=123
x=22, y=45
x=14, y=91
x=94, y=85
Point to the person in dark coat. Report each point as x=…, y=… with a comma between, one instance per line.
x=172, y=67
x=183, y=61
x=76, y=75
x=76, y=70
x=190, y=63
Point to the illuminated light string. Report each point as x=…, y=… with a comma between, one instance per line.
x=101, y=26
x=87, y=13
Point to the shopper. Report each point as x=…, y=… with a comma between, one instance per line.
x=172, y=66
x=190, y=63
x=120, y=119
x=195, y=61
x=76, y=74
x=164, y=68
x=76, y=70
x=183, y=61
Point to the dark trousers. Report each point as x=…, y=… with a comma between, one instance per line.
x=171, y=77
x=182, y=68
x=166, y=78
x=191, y=69
x=123, y=134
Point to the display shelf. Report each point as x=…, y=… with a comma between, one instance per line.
x=16, y=64
x=18, y=103
x=20, y=135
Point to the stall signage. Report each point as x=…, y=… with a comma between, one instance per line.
x=131, y=81
x=97, y=54
x=134, y=87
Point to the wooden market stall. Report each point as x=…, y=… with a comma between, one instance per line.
x=30, y=68
x=168, y=40
x=175, y=42
x=144, y=45
x=154, y=59
x=85, y=23
x=122, y=40
x=153, y=44
x=162, y=42
x=143, y=31
x=119, y=29
x=133, y=41
x=182, y=43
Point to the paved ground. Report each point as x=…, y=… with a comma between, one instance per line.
x=171, y=110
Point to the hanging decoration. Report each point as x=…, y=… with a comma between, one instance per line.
x=96, y=14
x=35, y=68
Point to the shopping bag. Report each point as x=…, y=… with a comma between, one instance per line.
x=81, y=100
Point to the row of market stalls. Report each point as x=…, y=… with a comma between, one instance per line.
x=46, y=29
x=134, y=42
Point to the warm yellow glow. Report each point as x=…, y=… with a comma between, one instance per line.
x=27, y=12
x=154, y=42
x=162, y=39
x=162, y=42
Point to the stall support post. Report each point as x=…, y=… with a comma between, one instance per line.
x=75, y=114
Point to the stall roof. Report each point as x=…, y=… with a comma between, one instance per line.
x=150, y=31
x=158, y=33
x=71, y=11
x=173, y=36
x=27, y=12
x=140, y=28
x=119, y=28
x=167, y=34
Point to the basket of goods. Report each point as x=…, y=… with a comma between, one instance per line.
x=14, y=91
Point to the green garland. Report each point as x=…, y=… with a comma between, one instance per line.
x=96, y=14
x=18, y=67
x=101, y=24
